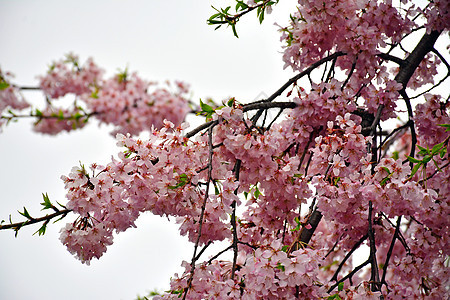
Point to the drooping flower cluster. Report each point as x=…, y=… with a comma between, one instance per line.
x=267, y=273
x=126, y=101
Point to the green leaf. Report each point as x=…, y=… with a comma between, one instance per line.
x=415, y=169
x=205, y=107
x=46, y=204
x=233, y=27
x=261, y=15
x=336, y=180
x=231, y=102
x=60, y=115
x=38, y=113
x=3, y=85
x=285, y=248
x=41, y=231
x=436, y=148
x=94, y=94
x=340, y=286
x=387, y=170
x=395, y=155
x=437, y=166
x=443, y=151
x=25, y=213
x=446, y=126
x=426, y=159
x=413, y=160
x=183, y=181
x=280, y=266
x=257, y=193
x=423, y=151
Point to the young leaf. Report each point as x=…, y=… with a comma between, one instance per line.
x=233, y=27
x=46, y=204
x=415, y=169
x=205, y=107
x=426, y=159
x=257, y=193
x=413, y=160
x=41, y=231
x=436, y=148
x=3, y=85
x=25, y=213
x=446, y=126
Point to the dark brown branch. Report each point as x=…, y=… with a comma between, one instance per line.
x=349, y=74
x=220, y=253
x=236, y=170
x=305, y=234
x=434, y=173
x=440, y=81
x=347, y=256
x=391, y=248
x=411, y=124
x=406, y=125
x=349, y=275
x=202, y=213
x=392, y=58
x=374, y=274
x=18, y=225
x=201, y=127
x=295, y=79
x=203, y=250
x=251, y=106
x=268, y=105
x=413, y=60
x=28, y=88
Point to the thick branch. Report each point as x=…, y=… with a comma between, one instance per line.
x=413, y=60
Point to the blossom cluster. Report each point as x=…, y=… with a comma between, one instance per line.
x=10, y=97
x=68, y=77
x=357, y=28
x=126, y=101
x=165, y=175
x=267, y=273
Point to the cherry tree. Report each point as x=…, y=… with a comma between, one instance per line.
x=294, y=183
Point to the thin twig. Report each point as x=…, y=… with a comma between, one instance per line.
x=237, y=168
x=391, y=248
x=374, y=277
x=18, y=225
x=202, y=213
x=347, y=256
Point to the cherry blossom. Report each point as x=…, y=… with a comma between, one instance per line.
x=295, y=193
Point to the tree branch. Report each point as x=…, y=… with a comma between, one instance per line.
x=30, y=221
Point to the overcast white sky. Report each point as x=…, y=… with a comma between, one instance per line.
x=161, y=39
